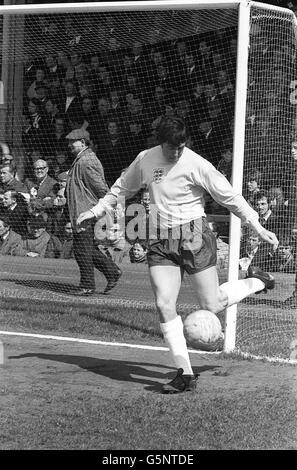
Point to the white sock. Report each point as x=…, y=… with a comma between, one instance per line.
x=238, y=290
x=173, y=332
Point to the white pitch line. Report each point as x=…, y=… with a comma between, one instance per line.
x=102, y=343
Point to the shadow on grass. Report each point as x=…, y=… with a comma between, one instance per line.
x=122, y=371
x=44, y=285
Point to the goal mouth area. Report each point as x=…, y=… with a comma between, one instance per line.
x=253, y=107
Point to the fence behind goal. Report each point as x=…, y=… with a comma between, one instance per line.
x=115, y=73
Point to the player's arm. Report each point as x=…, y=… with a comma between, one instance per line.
x=269, y=237
x=223, y=193
x=128, y=184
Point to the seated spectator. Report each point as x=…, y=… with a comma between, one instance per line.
x=145, y=200
x=225, y=164
x=248, y=248
x=71, y=101
x=135, y=138
x=138, y=218
x=131, y=85
x=57, y=138
x=30, y=158
x=67, y=242
x=84, y=85
x=10, y=241
x=156, y=59
x=192, y=71
x=138, y=252
x=177, y=62
x=101, y=118
x=109, y=235
x=205, y=56
x=157, y=103
x=163, y=78
x=253, y=186
x=117, y=109
x=198, y=100
x=277, y=199
x=112, y=55
x=94, y=66
x=208, y=141
x=43, y=190
x=105, y=82
x=54, y=71
x=42, y=95
x=61, y=163
x=51, y=112
x=39, y=77
x=40, y=243
x=285, y=259
x=264, y=256
x=267, y=218
x=57, y=65
x=137, y=111
x=217, y=113
x=88, y=111
x=5, y=155
x=56, y=89
x=15, y=208
x=140, y=62
x=126, y=67
x=8, y=179
x=35, y=127
x=76, y=58
x=112, y=154
x=225, y=87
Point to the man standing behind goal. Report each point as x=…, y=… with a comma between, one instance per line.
x=85, y=185
x=177, y=179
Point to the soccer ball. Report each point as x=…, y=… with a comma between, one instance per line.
x=202, y=330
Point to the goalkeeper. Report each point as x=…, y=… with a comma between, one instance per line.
x=177, y=179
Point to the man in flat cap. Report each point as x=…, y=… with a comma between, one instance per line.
x=85, y=186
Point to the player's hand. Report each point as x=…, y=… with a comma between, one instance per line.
x=270, y=238
x=84, y=216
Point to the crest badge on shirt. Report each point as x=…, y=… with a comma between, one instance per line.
x=158, y=174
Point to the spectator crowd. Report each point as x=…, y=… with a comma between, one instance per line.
x=118, y=94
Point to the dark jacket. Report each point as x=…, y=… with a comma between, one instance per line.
x=47, y=246
x=11, y=245
x=18, y=218
x=85, y=185
x=13, y=185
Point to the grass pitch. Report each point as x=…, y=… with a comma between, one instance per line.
x=58, y=395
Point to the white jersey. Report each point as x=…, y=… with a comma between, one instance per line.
x=177, y=189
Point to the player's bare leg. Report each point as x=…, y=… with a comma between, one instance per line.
x=214, y=297
x=166, y=282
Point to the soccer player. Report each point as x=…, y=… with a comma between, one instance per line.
x=177, y=179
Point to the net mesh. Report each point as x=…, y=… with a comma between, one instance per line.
x=270, y=178
x=113, y=75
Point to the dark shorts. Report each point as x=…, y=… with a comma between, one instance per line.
x=193, y=247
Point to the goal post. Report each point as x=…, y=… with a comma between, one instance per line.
x=237, y=164
x=226, y=67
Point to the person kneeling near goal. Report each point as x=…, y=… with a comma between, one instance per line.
x=177, y=179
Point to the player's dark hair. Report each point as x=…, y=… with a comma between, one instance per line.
x=172, y=130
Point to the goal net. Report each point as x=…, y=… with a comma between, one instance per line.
x=112, y=73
